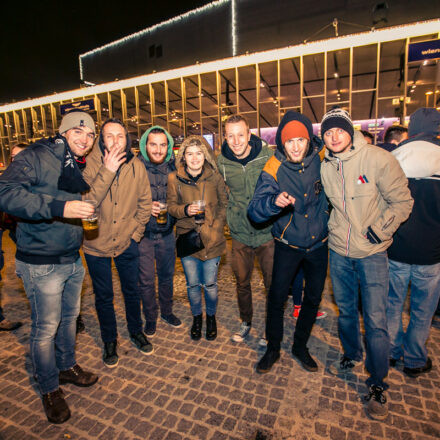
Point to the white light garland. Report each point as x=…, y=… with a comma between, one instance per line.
x=234, y=27
x=150, y=29
x=337, y=43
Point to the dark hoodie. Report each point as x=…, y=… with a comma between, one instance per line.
x=305, y=225
x=158, y=175
x=417, y=241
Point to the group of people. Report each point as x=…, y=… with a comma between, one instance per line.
x=312, y=200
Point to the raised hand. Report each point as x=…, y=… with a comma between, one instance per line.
x=284, y=199
x=78, y=209
x=114, y=158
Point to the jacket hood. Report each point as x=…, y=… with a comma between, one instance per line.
x=143, y=143
x=424, y=124
x=256, y=145
x=101, y=139
x=315, y=145
x=205, y=147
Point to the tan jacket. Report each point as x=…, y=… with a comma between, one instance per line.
x=182, y=191
x=124, y=204
x=366, y=187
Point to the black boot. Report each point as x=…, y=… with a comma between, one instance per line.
x=80, y=327
x=196, y=329
x=211, y=327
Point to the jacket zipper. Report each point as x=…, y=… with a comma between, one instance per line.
x=344, y=205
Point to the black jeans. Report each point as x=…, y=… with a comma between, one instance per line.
x=100, y=270
x=286, y=262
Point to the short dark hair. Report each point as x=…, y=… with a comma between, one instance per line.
x=367, y=134
x=234, y=119
x=114, y=121
x=394, y=133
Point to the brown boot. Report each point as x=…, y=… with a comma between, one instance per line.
x=78, y=377
x=56, y=407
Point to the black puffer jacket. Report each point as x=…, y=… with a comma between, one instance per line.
x=29, y=190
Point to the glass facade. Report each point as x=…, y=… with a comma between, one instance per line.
x=372, y=80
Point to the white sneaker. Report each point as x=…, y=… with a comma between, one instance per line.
x=243, y=331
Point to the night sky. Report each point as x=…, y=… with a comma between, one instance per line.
x=40, y=41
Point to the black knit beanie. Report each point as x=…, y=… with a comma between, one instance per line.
x=337, y=117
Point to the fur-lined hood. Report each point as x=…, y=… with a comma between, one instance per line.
x=205, y=147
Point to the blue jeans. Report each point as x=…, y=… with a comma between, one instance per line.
x=100, y=269
x=200, y=274
x=371, y=273
x=425, y=292
x=162, y=252
x=54, y=292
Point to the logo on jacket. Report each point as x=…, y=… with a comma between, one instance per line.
x=362, y=179
x=318, y=187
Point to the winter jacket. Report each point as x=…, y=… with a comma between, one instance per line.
x=417, y=241
x=182, y=191
x=158, y=177
x=241, y=181
x=124, y=203
x=29, y=190
x=367, y=189
x=303, y=226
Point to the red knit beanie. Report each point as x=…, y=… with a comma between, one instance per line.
x=294, y=129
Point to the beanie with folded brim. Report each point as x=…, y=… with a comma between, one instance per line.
x=76, y=119
x=337, y=118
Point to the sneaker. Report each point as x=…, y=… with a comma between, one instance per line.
x=110, y=356
x=343, y=366
x=243, y=331
x=55, y=407
x=150, y=328
x=78, y=377
x=377, y=407
x=8, y=326
x=296, y=310
x=306, y=361
x=172, y=320
x=321, y=315
x=141, y=343
x=415, y=372
x=265, y=364
x=80, y=327
x=262, y=342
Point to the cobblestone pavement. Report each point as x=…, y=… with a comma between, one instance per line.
x=207, y=390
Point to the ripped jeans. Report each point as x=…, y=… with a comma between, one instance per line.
x=200, y=274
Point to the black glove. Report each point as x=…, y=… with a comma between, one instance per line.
x=372, y=237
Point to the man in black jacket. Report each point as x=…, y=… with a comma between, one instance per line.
x=42, y=187
x=414, y=255
x=157, y=248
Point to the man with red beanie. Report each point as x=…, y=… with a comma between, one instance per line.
x=289, y=191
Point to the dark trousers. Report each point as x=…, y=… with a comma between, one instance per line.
x=285, y=265
x=100, y=270
x=162, y=252
x=242, y=262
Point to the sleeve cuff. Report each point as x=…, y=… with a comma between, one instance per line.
x=57, y=208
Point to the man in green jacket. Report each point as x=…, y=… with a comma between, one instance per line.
x=243, y=156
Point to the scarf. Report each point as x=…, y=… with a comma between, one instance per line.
x=71, y=179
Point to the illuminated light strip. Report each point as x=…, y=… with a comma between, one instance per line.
x=234, y=27
x=150, y=29
x=361, y=39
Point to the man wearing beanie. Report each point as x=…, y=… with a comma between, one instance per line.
x=415, y=252
x=43, y=186
x=157, y=247
x=370, y=197
x=242, y=158
x=289, y=191
x=119, y=184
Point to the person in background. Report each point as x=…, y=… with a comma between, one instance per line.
x=289, y=189
x=158, y=246
x=393, y=137
x=370, y=197
x=119, y=184
x=369, y=138
x=414, y=256
x=43, y=186
x=243, y=156
x=197, y=179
